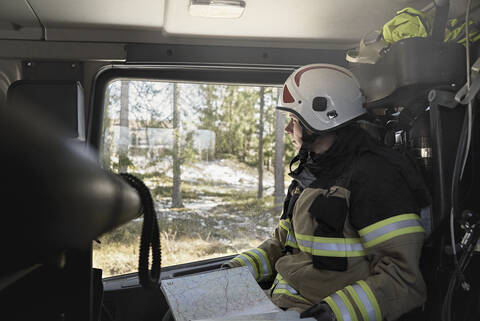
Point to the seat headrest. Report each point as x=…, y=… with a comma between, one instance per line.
x=60, y=101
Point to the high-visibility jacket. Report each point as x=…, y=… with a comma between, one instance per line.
x=412, y=23
x=354, y=244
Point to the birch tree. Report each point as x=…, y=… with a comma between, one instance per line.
x=124, y=128
x=279, y=168
x=260, y=143
x=177, y=174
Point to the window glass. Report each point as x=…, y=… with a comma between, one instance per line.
x=196, y=146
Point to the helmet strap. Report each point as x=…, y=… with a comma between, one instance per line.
x=307, y=140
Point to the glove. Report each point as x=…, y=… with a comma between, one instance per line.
x=321, y=312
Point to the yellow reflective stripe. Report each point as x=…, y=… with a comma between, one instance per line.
x=350, y=308
x=391, y=235
x=286, y=292
x=247, y=261
x=322, y=239
x=280, y=286
x=291, y=241
x=285, y=224
x=291, y=244
x=269, y=266
x=330, y=246
x=335, y=309
x=358, y=302
x=390, y=228
x=473, y=38
x=331, y=253
x=262, y=261
x=371, y=297
x=387, y=221
x=255, y=257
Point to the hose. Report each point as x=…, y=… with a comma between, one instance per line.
x=150, y=237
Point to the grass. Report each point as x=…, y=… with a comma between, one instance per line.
x=239, y=222
x=122, y=257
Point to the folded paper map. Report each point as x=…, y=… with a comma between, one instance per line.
x=228, y=294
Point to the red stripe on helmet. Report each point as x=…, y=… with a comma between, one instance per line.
x=301, y=72
x=287, y=96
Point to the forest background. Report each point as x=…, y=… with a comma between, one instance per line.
x=211, y=202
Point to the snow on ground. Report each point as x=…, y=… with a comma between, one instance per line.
x=225, y=172
x=211, y=213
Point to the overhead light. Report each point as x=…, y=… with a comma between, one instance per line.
x=217, y=8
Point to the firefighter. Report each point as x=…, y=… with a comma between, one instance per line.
x=348, y=242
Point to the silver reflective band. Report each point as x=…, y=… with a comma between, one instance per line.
x=286, y=287
x=389, y=228
x=266, y=270
x=335, y=247
x=291, y=238
x=366, y=302
x=342, y=307
x=247, y=264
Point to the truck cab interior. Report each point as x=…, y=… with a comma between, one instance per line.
x=63, y=68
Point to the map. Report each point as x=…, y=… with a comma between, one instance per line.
x=274, y=316
x=221, y=293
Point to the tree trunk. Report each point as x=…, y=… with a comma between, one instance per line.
x=106, y=148
x=177, y=173
x=124, y=140
x=260, y=144
x=279, y=169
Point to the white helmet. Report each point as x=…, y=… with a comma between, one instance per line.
x=322, y=96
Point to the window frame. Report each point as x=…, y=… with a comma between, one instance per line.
x=228, y=75
x=253, y=76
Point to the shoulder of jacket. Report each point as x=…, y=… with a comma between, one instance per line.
x=370, y=162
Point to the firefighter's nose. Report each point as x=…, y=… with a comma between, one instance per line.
x=289, y=128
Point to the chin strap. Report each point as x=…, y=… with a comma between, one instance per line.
x=307, y=140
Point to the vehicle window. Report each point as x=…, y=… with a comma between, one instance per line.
x=196, y=146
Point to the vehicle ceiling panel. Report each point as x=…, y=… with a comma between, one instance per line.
x=293, y=23
x=106, y=14
x=17, y=21
x=337, y=21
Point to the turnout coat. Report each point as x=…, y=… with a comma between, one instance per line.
x=352, y=241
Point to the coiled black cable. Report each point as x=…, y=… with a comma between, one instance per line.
x=150, y=237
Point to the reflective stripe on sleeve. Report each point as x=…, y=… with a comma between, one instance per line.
x=389, y=228
x=247, y=261
x=341, y=307
x=346, y=301
x=285, y=224
x=291, y=241
x=282, y=287
x=263, y=262
x=367, y=299
x=330, y=246
x=366, y=315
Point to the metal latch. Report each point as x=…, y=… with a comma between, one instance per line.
x=465, y=96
